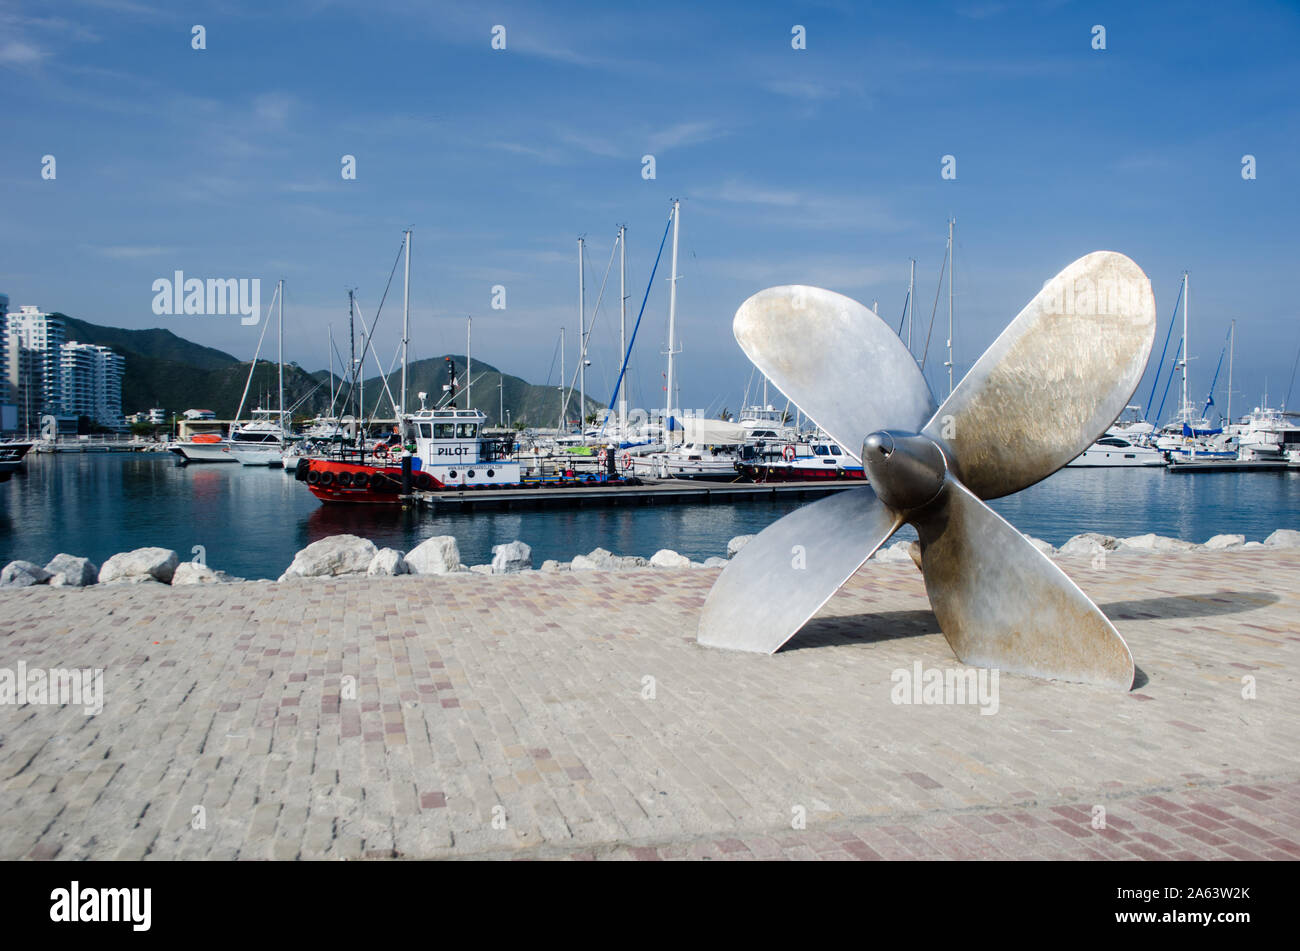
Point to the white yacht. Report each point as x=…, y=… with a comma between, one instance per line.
x=1115, y=450
x=1267, y=435
x=259, y=442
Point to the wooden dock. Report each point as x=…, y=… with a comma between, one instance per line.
x=650, y=492
x=1228, y=465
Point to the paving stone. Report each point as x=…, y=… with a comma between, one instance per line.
x=387, y=717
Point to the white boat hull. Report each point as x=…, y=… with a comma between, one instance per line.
x=205, y=451
x=1108, y=457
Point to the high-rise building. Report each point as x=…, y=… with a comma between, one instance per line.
x=49, y=375
x=91, y=383
x=8, y=412
x=34, y=339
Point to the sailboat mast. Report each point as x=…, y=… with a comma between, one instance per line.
x=1186, y=406
x=330, y=361
x=911, y=303
x=582, y=348
x=283, y=430
x=469, y=364
x=1232, y=342
x=564, y=381
x=352, y=356
x=622, y=327
x=952, y=267
x=672, y=325
x=406, y=323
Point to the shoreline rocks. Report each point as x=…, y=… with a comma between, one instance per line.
x=71, y=571
x=350, y=555
x=331, y=557
x=512, y=557
x=439, y=555
x=140, y=566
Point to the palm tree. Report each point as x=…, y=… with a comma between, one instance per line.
x=725, y=415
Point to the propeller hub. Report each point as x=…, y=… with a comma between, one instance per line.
x=906, y=470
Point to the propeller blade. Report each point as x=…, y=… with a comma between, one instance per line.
x=790, y=569
x=836, y=360
x=1054, y=380
x=1003, y=603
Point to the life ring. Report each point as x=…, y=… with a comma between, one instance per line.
x=788, y=453
x=602, y=456
x=627, y=460
x=381, y=448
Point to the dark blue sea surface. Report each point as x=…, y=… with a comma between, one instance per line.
x=251, y=521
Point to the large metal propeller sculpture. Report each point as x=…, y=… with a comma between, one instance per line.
x=1046, y=389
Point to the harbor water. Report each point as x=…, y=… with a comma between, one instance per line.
x=251, y=521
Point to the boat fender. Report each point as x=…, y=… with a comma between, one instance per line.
x=327, y=478
x=345, y=479
x=312, y=476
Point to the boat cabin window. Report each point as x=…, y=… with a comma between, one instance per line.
x=819, y=450
x=836, y=451
x=1112, y=442
x=444, y=430
x=426, y=430
x=466, y=430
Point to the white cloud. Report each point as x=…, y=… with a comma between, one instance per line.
x=18, y=53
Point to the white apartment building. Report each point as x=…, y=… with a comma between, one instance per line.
x=91, y=383
x=32, y=368
x=47, y=374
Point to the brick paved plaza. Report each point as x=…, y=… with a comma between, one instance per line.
x=573, y=715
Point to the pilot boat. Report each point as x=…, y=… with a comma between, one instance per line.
x=447, y=450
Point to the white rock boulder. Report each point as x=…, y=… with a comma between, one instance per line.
x=598, y=560
x=628, y=562
x=72, y=571
x=715, y=562
x=1089, y=543
x=551, y=565
x=1153, y=542
x=439, y=555
x=386, y=563
x=1283, y=538
x=1223, y=542
x=188, y=572
x=141, y=565
x=22, y=574
x=1045, y=547
x=736, y=544
x=507, y=559
x=667, y=558
x=895, y=552
x=331, y=557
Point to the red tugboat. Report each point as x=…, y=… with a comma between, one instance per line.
x=447, y=451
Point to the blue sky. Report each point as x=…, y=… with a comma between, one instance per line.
x=818, y=166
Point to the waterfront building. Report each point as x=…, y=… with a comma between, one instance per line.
x=32, y=365
x=91, y=383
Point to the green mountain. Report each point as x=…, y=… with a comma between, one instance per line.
x=165, y=370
